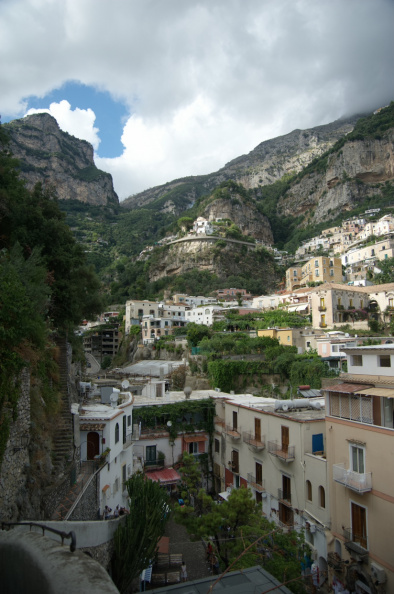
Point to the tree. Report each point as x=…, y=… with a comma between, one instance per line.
x=386, y=274
x=242, y=537
x=196, y=332
x=136, y=539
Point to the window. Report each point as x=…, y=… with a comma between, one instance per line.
x=309, y=490
x=317, y=272
x=357, y=360
x=217, y=446
x=259, y=497
x=316, y=263
x=235, y=421
x=128, y=420
x=359, y=525
x=322, y=497
x=259, y=474
x=285, y=438
x=357, y=458
x=193, y=447
x=116, y=432
x=331, y=272
x=384, y=361
x=235, y=461
x=150, y=455
x=308, y=344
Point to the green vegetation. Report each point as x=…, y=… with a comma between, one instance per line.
x=46, y=286
x=240, y=536
x=136, y=538
x=186, y=416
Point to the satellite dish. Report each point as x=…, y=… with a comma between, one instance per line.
x=114, y=398
x=125, y=384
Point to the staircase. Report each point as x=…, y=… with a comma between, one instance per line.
x=87, y=471
x=63, y=439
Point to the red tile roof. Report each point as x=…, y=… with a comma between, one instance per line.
x=167, y=476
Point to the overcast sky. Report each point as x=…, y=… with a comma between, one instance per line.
x=169, y=88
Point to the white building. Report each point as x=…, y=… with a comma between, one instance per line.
x=105, y=431
x=202, y=226
x=206, y=315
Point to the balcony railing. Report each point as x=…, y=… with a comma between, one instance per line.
x=258, y=443
x=257, y=484
x=282, y=451
x=361, y=482
x=322, y=325
x=219, y=421
x=356, y=543
x=234, y=467
x=284, y=497
x=232, y=432
x=154, y=463
x=322, y=308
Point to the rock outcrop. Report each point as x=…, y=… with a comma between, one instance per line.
x=352, y=174
x=59, y=160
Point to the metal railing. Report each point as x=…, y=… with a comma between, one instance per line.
x=251, y=439
x=232, y=431
x=361, y=482
x=283, y=451
x=357, y=543
x=63, y=535
x=257, y=484
x=284, y=496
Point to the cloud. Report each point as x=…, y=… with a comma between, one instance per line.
x=78, y=122
x=204, y=80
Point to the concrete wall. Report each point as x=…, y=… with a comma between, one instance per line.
x=48, y=567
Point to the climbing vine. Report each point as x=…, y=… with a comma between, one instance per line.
x=185, y=416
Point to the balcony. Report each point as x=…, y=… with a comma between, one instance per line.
x=322, y=308
x=219, y=421
x=284, y=497
x=158, y=463
x=256, y=442
x=257, y=484
x=282, y=451
x=340, y=307
x=233, y=466
x=322, y=325
x=361, y=482
x=334, y=561
x=356, y=544
x=232, y=432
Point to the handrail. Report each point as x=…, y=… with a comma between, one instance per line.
x=63, y=535
x=83, y=491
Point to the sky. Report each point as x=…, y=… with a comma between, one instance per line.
x=164, y=89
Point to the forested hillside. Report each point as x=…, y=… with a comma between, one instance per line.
x=46, y=287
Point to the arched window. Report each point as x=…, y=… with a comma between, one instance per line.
x=309, y=490
x=322, y=497
x=116, y=432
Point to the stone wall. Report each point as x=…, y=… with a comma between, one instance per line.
x=88, y=507
x=14, y=469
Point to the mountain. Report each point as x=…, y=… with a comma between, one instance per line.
x=265, y=164
x=51, y=156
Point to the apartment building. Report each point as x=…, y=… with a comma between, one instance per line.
x=102, y=342
x=381, y=250
x=340, y=304
x=136, y=309
x=318, y=269
x=359, y=438
x=277, y=449
x=154, y=328
x=381, y=227
x=206, y=315
x=304, y=339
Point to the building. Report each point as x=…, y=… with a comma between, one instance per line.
x=277, y=449
x=316, y=270
x=154, y=328
x=136, y=309
x=334, y=304
x=304, y=339
x=102, y=342
x=359, y=436
x=202, y=226
x=206, y=315
x=105, y=422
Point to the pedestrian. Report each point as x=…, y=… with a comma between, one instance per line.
x=183, y=572
x=209, y=551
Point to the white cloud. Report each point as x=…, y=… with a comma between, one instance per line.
x=205, y=80
x=78, y=122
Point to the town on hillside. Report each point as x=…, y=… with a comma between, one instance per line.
x=288, y=395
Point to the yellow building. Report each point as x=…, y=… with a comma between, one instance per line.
x=360, y=440
x=318, y=269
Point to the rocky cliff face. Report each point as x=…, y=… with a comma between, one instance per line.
x=265, y=164
x=246, y=216
x=351, y=174
x=55, y=158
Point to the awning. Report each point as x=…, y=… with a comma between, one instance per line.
x=167, y=476
x=194, y=438
x=345, y=388
x=298, y=307
x=225, y=495
x=384, y=392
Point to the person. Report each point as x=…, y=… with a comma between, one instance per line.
x=183, y=572
x=209, y=551
x=107, y=512
x=116, y=512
